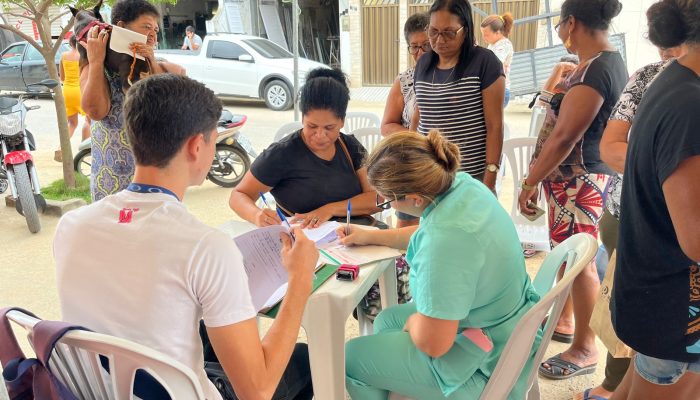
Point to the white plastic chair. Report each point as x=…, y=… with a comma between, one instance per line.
x=287, y=129
x=357, y=120
x=537, y=120
x=534, y=235
x=369, y=137
x=76, y=362
x=577, y=251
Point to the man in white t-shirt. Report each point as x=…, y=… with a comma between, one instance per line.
x=138, y=265
x=192, y=40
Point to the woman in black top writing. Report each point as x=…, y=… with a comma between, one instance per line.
x=313, y=172
x=460, y=89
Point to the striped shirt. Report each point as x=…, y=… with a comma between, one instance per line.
x=454, y=105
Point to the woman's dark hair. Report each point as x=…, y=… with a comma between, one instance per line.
x=463, y=10
x=595, y=14
x=416, y=23
x=153, y=118
x=502, y=23
x=325, y=89
x=674, y=22
x=128, y=11
x=73, y=41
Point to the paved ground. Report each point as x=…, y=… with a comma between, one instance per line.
x=27, y=270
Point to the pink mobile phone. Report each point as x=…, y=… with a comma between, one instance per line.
x=479, y=338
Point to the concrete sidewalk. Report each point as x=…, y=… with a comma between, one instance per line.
x=27, y=276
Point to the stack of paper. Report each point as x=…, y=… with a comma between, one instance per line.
x=267, y=277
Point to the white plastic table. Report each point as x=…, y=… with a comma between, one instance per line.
x=325, y=314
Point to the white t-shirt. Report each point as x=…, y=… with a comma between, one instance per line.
x=503, y=49
x=151, y=277
x=196, y=40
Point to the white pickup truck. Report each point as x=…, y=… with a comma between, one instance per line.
x=244, y=67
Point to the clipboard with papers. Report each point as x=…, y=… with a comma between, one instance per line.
x=267, y=277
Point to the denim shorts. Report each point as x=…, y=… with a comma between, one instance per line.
x=662, y=372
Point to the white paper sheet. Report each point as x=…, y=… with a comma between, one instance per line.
x=324, y=233
x=120, y=39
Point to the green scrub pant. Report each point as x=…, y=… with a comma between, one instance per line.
x=388, y=361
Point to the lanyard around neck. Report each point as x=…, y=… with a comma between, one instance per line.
x=144, y=188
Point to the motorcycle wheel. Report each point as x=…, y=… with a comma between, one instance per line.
x=26, y=197
x=229, y=166
x=82, y=163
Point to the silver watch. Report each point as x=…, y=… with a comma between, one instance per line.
x=492, y=167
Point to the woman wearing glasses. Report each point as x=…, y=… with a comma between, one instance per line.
x=460, y=88
x=468, y=279
x=567, y=162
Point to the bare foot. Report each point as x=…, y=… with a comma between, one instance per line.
x=596, y=391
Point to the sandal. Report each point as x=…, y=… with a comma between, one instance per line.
x=529, y=253
x=562, y=337
x=588, y=396
x=558, y=367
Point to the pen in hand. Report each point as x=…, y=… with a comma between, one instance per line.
x=264, y=200
x=284, y=219
x=347, y=220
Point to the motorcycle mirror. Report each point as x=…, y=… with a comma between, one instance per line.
x=245, y=58
x=49, y=83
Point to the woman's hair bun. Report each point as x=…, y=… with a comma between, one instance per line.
x=333, y=73
x=610, y=9
x=667, y=25
x=446, y=153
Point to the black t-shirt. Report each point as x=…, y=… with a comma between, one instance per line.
x=607, y=75
x=301, y=181
x=451, y=101
x=656, y=294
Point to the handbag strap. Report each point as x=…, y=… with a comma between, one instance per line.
x=344, y=147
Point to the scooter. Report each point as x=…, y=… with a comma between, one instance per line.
x=231, y=160
x=17, y=170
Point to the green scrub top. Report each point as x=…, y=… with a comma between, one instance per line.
x=467, y=265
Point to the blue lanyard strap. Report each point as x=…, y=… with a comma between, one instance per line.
x=144, y=188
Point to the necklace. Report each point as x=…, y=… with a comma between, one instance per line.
x=452, y=70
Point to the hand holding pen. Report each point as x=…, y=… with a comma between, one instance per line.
x=266, y=216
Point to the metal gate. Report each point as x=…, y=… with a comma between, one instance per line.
x=380, y=42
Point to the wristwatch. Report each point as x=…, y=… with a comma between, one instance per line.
x=492, y=167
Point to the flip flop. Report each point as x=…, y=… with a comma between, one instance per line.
x=558, y=367
x=588, y=396
x=563, y=337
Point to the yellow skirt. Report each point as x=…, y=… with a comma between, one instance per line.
x=71, y=94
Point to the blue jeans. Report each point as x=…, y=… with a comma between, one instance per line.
x=662, y=372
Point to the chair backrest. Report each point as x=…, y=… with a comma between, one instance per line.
x=577, y=251
x=518, y=153
x=357, y=120
x=537, y=120
x=369, y=137
x=76, y=362
x=287, y=129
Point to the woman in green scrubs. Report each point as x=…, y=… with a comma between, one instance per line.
x=468, y=279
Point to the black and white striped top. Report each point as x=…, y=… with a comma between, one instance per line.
x=453, y=104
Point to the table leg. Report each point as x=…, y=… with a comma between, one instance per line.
x=324, y=323
x=388, y=286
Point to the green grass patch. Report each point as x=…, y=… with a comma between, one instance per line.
x=57, y=190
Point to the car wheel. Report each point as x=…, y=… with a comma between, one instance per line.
x=278, y=96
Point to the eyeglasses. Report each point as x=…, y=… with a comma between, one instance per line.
x=413, y=49
x=447, y=34
x=385, y=205
x=561, y=22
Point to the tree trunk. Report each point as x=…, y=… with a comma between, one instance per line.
x=62, y=118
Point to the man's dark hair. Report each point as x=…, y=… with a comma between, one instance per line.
x=128, y=11
x=189, y=28
x=416, y=23
x=158, y=121
x=325, y=89
x=674, y=22
x=462, y=10
x=595, y=14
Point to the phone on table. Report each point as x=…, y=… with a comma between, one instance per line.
x=532, y=206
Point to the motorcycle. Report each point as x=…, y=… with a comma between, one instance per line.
x=17, y=170
x=231, y=160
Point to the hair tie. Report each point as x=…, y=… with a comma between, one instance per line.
x=502, y=19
